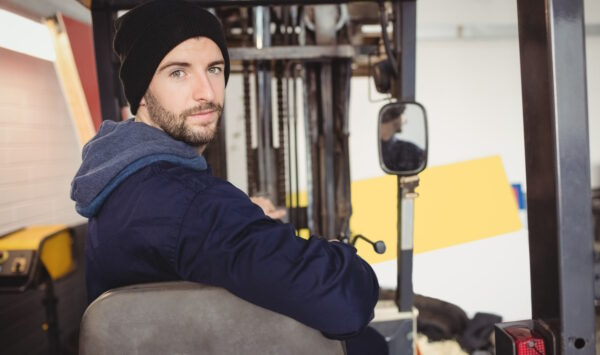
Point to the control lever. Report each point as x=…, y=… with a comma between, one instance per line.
x=378, y=246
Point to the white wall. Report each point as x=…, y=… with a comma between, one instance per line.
x=593, y=77
x=472, y=91
x=482, y=12
x=39, y=153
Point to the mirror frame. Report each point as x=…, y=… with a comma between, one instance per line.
x=411, y=172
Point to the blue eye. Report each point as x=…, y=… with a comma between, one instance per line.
x=215, y=70
x=177, y=74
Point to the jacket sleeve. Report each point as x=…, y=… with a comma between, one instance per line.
x=227, y=241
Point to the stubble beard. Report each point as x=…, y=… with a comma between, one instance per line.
x=175, y=124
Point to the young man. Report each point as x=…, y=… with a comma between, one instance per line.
x=155, y=211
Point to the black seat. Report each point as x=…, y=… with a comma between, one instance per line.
x=188, y=318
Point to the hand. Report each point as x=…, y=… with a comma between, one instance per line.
x=268, y=208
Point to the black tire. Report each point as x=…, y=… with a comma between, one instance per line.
x=439, y=320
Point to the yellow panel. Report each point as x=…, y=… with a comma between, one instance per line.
x=464, y=202
x=303, y=200
x=57, y=255
x=55, y=242
x=303, y=233
x=28, y=238
x=374, y=206
x=458, y=203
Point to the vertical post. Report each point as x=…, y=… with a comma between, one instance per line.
x=405, y=248
x=405, y=47
x=328, y=155
x=553, y=80
x=108, y=85
x=49, y=301
x=264, y=137
x=405, y=21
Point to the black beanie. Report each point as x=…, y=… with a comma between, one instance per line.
x=147, y=33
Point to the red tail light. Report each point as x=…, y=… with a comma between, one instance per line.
x=526, y=341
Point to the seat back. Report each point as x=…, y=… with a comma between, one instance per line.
x=189, y=318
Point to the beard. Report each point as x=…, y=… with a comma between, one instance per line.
x=176, y=126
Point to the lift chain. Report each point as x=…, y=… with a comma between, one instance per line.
x=250, y=152
x=282, y=122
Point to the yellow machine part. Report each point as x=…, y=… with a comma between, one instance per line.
x=52, y=242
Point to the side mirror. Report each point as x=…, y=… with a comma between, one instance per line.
x=402, y=136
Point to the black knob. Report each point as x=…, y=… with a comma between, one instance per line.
x=378, y=246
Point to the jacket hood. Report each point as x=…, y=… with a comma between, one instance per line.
x=119, y=150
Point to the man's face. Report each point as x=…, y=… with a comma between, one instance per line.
x=185, y=96
x=389, y=128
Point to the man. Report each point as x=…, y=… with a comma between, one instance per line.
x=157, y=214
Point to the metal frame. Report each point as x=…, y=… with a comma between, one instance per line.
x=291, y=52
x=127, y=4
x=405, y=46
x=552, y=46
x=403, y=89
x=108, y=83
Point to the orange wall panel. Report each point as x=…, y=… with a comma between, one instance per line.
x=82, y=45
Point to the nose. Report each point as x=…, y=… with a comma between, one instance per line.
x=202, y=88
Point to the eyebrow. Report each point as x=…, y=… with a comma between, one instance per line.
x=172, y=64
x=187, y=65
x=216, y=62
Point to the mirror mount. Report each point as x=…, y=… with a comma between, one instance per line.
x=402, y=137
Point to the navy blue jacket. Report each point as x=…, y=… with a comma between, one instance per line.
x=165, y=217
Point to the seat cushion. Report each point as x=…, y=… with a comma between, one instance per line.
x=189, y=318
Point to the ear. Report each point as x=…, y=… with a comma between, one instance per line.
x=143, y=101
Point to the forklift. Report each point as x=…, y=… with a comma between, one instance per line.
x=320, y=44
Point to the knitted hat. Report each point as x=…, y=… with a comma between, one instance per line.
x=147, y=33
